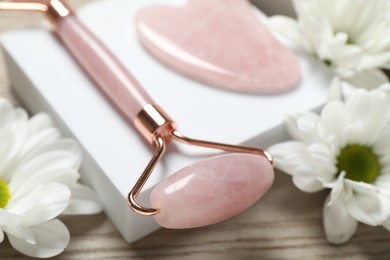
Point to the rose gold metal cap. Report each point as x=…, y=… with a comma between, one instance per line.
x=57, y=10
x=152, y=121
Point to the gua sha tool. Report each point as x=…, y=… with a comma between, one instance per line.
x=221, y=43
x=204, y=193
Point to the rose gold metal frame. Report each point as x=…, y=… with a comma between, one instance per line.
x=23, y=6
x=54, y=9
x=157, y=127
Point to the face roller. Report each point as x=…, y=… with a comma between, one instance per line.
x=204, y=193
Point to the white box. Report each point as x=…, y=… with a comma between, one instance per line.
x=45, y=77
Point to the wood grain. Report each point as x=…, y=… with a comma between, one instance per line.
x=286, y=224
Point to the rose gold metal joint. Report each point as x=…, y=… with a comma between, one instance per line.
x=152, y=121
x=57, y=10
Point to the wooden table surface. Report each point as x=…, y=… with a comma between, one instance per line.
x=285, y=224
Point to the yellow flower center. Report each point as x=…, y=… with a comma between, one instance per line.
x=359, y=162
x=328, y=62
x=4, y=194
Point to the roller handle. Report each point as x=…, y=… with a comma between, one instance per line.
x=109, y=74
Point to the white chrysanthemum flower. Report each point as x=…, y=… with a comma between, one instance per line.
x=345, y=149
x=351, y=36
x=38, y=181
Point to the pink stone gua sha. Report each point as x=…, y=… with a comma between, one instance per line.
x=219, y=42
x=211, y=190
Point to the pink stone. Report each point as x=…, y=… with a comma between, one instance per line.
x=219, y=42
x=109, y=74
x=211, y=190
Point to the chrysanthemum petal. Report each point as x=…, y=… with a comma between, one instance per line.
x=322, y=153
x=68, y=146
x=343, y=55
x=368, y=79
x=40, y=133
x=39, y=139
x=9, y=115
x=339, y=225
x=51, y=238
x=383, y=183
x=308, y=184
x=335, y=90
x=361, y=187
x=287, y=26
x=319, y=34
x=61, y=154
x=67, y=177
x=382, y=148
x=309, y=170
x=335, y=117
x=337, y=188
x=11, y=143
x=19, y=205
x=22, y=232
x=52, y=203
x=371, y=111
x=6, y=217
x=375, y=61
x=302, y=126
x=286, y=151
x=292, y=157
x=39, y=122
x=83, y=201
x=369, y=207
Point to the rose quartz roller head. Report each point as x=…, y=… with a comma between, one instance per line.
x=219, y=42
x=204, y=193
